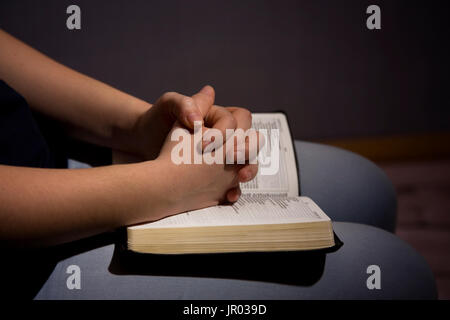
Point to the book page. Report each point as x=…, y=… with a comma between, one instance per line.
x=251, y=209
x=285, y=179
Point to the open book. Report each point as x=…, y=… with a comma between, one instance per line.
x=269, y=216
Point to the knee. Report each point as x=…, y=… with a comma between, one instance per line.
x=403, y=273
x=347, y=186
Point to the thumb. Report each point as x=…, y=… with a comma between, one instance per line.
x=204, y=99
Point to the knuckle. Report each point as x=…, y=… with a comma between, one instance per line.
x=168, y=96
x=232, y=121
x=247, y=114
x=187, y=102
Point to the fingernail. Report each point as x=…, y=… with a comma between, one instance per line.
x=192, y=117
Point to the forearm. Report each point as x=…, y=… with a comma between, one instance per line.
x=50, y=206
x=92, y=110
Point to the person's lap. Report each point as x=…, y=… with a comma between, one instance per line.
x=347, y=187
x=339, y=275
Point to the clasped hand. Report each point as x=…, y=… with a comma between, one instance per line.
x=211, y=183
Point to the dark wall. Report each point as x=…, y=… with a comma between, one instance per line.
x=315, y=59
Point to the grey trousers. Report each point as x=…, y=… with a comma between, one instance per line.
x=350, y=189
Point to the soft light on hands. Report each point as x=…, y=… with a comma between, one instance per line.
x=154, y=126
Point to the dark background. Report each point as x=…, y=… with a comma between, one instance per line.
x=315, y=59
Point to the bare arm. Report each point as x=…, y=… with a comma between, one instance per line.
x=48, y=206
x=98, y=113
x=92, y=110
x=51, y=206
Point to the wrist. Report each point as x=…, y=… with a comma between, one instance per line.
x=149, y=191
x=127, y=132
